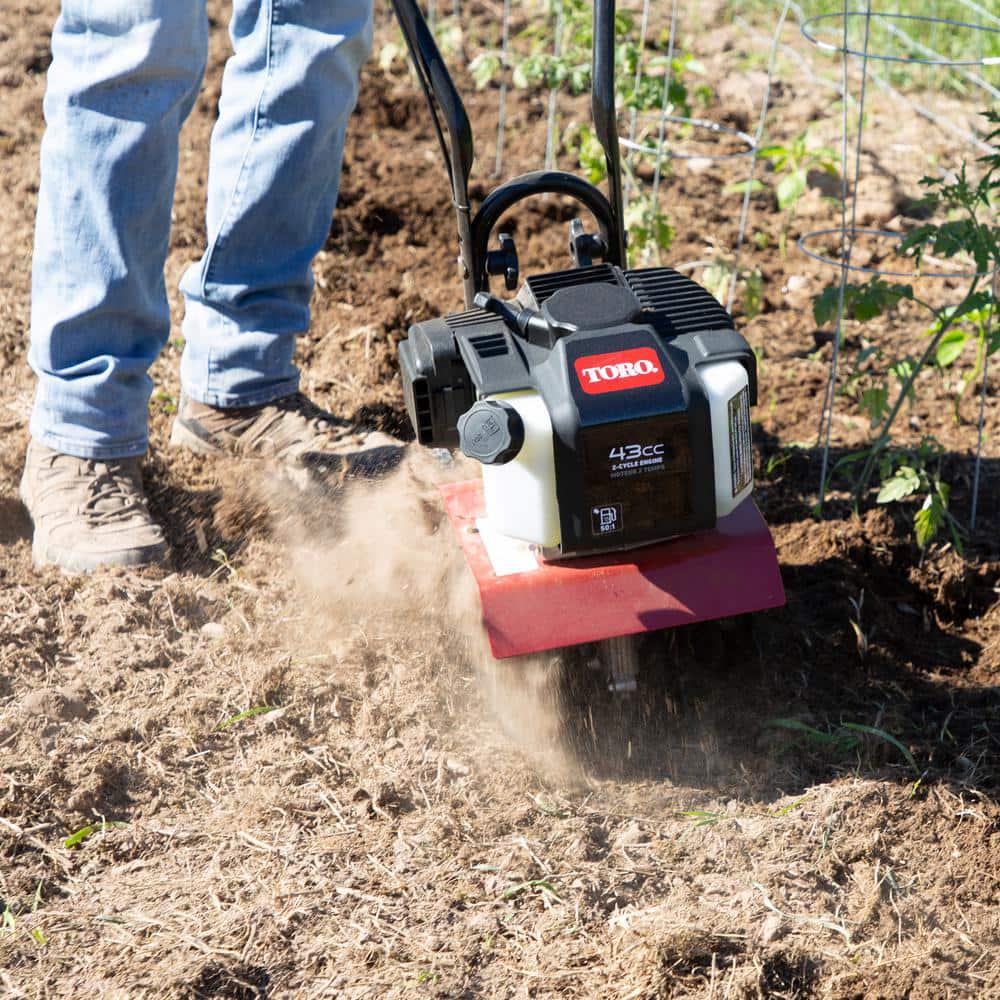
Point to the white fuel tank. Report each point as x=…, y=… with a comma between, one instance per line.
x=728, y=390
x=521, y=495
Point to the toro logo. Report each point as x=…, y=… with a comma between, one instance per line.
x=620, y=370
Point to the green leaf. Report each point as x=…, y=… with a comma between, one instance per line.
x=904, y=483
x=915, y=243
x=702, y=817
x=950, y=347
x=877, y=297
x=75, y=839
x=929, y=519
x=777, y=156
x=861, y=302
x=825, y=305
x=741, y=186
x=484, y=67
x=249, y=713
x=874, y=403
x=536, y=883
x=801, y=727
x=859, y=727
x=753, y=292
x=839, y=742
x=790, y=188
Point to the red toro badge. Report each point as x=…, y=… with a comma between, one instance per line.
x=618, y=371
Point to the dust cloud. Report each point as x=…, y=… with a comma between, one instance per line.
x=379, y=562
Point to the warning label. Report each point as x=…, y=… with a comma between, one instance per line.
x=740, y=455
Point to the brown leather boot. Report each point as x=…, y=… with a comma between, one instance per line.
x=292, y=432
x=88, y=513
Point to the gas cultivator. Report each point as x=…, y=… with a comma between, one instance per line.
x=609, y=408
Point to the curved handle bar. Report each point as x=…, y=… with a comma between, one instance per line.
x=505, y=197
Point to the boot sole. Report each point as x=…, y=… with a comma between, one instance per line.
x=70, y=561
x=182, y=437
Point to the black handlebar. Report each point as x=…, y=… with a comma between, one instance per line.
x=458, y=150
x=602, y=108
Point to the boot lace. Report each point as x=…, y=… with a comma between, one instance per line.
x=113, y=494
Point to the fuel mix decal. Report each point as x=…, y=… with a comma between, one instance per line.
x=619, y=370
x=606, y=520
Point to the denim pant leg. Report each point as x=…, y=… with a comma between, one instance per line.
x=124, y=75
x=274, y=172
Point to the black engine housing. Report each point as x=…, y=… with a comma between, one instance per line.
x=569, y=336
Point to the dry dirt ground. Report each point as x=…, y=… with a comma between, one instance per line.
x=305, y=778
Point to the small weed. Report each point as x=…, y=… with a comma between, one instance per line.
x=85, y=832
x=720, y=275
x=790, y=808
x=221, y=557
x=166, y=402
x=249, y=713
x=844, y=739
x=775, y=462
x=701, y=817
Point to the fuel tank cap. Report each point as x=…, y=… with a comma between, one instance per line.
x=595, y=306
x=491, y=432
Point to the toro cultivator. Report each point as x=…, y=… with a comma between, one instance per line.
x=609, y=408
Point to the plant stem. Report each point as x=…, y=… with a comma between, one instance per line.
x=883, y=436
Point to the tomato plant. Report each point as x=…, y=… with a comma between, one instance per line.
x=969, y=233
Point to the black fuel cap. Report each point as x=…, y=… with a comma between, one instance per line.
x=492, y=432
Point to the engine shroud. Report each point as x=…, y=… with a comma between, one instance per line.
x=615, y=356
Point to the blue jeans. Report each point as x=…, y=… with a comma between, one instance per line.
x=124, y=76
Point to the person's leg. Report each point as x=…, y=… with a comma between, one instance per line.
x=276, y=152
x=124, y=75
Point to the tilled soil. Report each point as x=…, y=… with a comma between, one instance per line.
x=303, y=775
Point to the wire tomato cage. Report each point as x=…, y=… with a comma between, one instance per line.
x=872, y=37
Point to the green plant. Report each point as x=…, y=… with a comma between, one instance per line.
x=844, y=738
x=646, y=81
x=702, y=817
x=775, y=462
x=905, y=473
x=249, y=713
x=975, y=327
x=649, y=227
x=85, y=832
x=166, y=402
x=543, y=887
x=719, y=275
x=542, y=59
x=791, y=166
x=971, y=234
